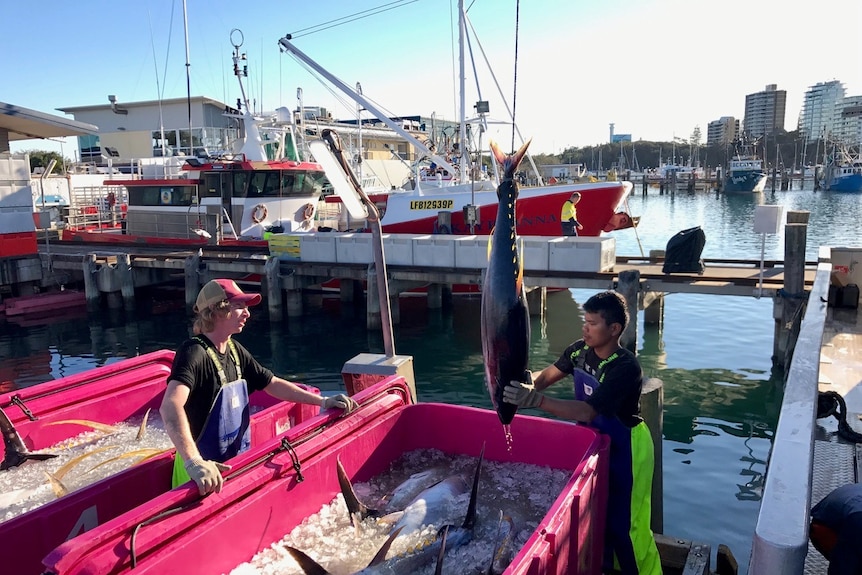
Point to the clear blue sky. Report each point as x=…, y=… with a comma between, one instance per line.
x=656, y=68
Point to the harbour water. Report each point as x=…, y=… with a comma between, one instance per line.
x=721, y=393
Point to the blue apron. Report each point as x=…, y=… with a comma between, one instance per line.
x=629, y=544
x=226, y=431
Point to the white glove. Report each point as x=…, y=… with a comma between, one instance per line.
x=343, y=402
x=206, y=474
x=522, y=394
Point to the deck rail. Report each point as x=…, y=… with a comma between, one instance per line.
x=781, y=534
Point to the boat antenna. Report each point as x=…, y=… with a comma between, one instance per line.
x=158, y=86
x=188, y=77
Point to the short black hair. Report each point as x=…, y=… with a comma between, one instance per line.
x=611, y=306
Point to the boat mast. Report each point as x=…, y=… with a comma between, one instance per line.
x=188, y=78
x=285, y=43
x=462, y=148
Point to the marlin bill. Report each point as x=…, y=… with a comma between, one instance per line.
x=505, y=320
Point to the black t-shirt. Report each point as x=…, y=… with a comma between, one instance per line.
x=619, y=392
x=194, y=368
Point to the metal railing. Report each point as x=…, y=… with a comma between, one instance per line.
x=781, y=535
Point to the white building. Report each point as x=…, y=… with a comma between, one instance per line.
x=818, y=118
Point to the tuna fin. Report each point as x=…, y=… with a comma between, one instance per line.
x=16, y=452
x=519, y=281
x=470, y=518
x=59, y=489
x=490, y=242
x=501, y=557
x=308, y=565
x=142, y=453
x=350, y=499
x=439, y=569
x=143, y=429
x=86, y=423
x=380, y=557
x=61, y=473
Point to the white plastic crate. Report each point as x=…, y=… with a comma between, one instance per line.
x=318, y=247
x=581, y=254
x=535, y=252
x=471, y=252
x=398, y=249
x=435, y=251
x=352, y=248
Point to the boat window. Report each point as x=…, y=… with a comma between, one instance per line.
x=161, y=195
x=213, y=183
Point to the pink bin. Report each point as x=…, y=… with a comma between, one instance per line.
x=262, y=499
x=109, y=394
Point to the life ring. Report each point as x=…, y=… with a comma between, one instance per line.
x=308, y=212
x=258, y=214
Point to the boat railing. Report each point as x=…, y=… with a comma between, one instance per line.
x=781, y=534
x=96, y=206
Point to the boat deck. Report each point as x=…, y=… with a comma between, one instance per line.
x=837, y=461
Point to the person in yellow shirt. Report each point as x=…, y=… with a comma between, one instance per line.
x=569, y=216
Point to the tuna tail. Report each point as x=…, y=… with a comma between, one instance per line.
x=503, y=548
x=439, y=569
x=16, y=451
x=308, y=565
x=350, y=498
x=509, y=163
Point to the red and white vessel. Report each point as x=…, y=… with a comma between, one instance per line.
x=240, y=198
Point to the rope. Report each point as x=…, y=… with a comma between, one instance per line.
x=515, y=79
x=831, y=403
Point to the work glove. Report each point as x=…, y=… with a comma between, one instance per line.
x=206, y=474
x=522, y=394
x=343, y=402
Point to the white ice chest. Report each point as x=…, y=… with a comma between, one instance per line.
x=576, y=254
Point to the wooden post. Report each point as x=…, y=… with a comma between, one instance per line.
x=654, y=308
x=652, y=411
x=347, y=290
x=91, y=284
x=293, y=299
x=537, y=300
x=273, y=288
x=435, y=296
x=191, y=265
x=127, y=280
x=629, y=288
x=444, y=223
x=795, y=238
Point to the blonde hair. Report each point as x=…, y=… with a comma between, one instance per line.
x=206, y=318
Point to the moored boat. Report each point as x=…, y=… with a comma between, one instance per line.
x=259, y=505
x=844, y=174
x=110, y=394
x=745, y=172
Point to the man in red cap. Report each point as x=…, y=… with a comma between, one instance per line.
x=205, y=407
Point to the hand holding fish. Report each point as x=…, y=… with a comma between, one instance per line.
x=522, y=394
x=206, y=474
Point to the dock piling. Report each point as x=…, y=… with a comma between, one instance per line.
x=788, y=306
x=273, y=288
x=629, y=287
x=652, y=410
x=191, y=265
x=91, y=284
x=127, y=280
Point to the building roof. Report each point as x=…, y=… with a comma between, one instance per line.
x=26, y=124
x=144, y=104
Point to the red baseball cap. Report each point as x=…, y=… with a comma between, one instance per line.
x=217, y=291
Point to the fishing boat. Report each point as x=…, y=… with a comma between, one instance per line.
x=114, y=393
x=745, y=172
x=845, y=172
x=266, y=186
x=274, y=492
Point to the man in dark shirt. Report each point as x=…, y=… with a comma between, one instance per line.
x=836, y=529
x=607, y=383
x=205, y=407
